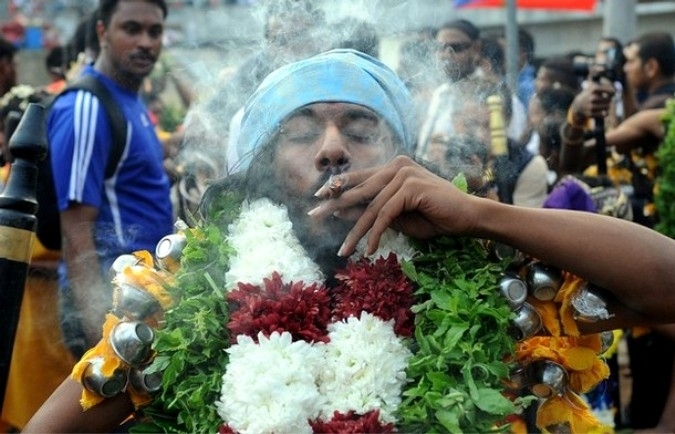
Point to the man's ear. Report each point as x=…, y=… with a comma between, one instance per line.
x=100, y=33
x=652, y=68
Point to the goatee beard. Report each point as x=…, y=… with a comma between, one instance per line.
x=320, y=239
x=321, y=243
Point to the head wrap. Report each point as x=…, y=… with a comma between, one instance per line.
x=345, y=76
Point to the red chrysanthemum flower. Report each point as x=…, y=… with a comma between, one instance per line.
x=352, y=423
x=225, y=429
x=378, y=287
x=303, y=311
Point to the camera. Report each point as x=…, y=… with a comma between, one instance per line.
x=608, y=66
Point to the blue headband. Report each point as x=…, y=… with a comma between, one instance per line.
x=342, y=75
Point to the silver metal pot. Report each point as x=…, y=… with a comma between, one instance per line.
x=547, y=378
x=131, y=341
x=95, y=381
x=589, y=306
x=134, y=302
x=544, y=281
x=120, y=263
x=169, y=250
x=527, y=322
x=148, y=382
x=513, y=289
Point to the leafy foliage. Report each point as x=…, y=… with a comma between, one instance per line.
x=459, y=363
x=190, y=347
x=664, y=199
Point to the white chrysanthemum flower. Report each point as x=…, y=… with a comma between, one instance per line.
x=22, y=91
x=391, y=241
x=363, y=368
x=270, y=387
x=264, y=242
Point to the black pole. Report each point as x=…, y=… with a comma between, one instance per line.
x=600, y=145
x=18, y=206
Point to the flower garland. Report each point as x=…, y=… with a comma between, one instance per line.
x=410, y=339
x=302, y=357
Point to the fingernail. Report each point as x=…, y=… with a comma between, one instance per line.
x=321, y=192
x=314, y=210
x=341, y=252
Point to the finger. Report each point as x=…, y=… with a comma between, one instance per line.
x=376, y=218
x=345, y=204
x=371, y=184
x=337, y=184
x=350, y=214
x=333, y=187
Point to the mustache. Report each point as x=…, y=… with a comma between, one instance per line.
x=143, y=55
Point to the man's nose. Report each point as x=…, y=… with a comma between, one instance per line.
x=333, y=153
x=146, y=40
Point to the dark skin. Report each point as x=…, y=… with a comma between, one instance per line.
x=107, y=417
x=612, y=253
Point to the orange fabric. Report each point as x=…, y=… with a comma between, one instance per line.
x=40, y=361
x=55, y=87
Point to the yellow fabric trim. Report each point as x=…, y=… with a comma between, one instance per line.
x=16, y=244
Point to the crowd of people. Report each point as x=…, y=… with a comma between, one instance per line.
x=563, y=167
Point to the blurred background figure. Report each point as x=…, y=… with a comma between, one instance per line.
x=357, y=34
x=7, y=66
x=458, y=52
x=418, y=68
x=547, y=113
x=56, y=69
x=526, y=68
x=491, y=64
x=515, y=177
x=556, y=72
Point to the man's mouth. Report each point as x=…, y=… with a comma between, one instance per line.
x=143, y=59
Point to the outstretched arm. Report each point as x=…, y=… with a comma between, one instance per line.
x=631, y=261
x=62, y=412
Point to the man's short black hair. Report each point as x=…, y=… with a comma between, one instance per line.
x=492, y=50
x=7, y=49
x=464, y=26
x=106, y=8
x=554, y=100
x=660, y=47
x=55, y=61
x=526, y=44
x=359, y=35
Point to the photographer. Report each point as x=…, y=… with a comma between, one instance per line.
x=608, y=62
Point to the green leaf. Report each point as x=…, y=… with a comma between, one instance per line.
x=492, y=401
